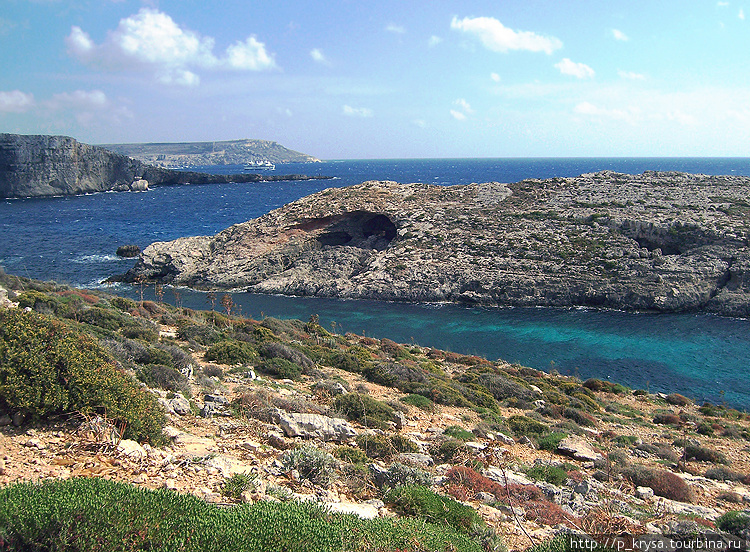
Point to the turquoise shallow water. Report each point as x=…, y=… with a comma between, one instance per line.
x=73, y=240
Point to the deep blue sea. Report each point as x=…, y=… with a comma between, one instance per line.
x=73, y=240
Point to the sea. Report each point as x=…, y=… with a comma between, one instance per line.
x=73, y=240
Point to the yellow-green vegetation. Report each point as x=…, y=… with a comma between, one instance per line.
x=49, y=368
x=90, y=515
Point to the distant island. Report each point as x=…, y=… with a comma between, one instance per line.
x=178, y=155
x=660, y=241
x=42, y=165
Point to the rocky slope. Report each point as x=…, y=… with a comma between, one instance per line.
x=551, y=454
x=58, y=165
x=201, y=154
x=658, y=241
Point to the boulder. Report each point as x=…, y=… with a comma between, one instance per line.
x=578, y=448
x=313, y=426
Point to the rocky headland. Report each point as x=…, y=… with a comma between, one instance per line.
x=41, y=165
x=201, y=154
x=661, y=241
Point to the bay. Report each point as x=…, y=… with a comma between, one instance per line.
x=73, y=240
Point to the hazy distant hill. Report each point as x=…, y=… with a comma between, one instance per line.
x=195, y=154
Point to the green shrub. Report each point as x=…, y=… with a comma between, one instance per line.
x=421, y=502
x=231, y=352
x=280, y=368
x=46, y=369
x=40, y=302
x=346, y=361
x=459, y=433
x=550, y=441
x=364, y=409
x=272, y=349
x=678, y=400
x=400, y=475
x=449, y=449
x=421, y=402
x=312, y=463
x=237, y=484
x=523, y=425
x=571, y=542
x=164, y=377
x=383, y=446
x=350, y=454
x=545, y=472
x=202, y=334
x=95, y=514
x=734, y=522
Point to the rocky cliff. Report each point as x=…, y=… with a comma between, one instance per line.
x=201, y=154
x=656, y=241
x=59, y=165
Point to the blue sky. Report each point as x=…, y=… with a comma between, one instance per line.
x=389, y=79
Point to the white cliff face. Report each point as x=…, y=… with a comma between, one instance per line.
x=657, y=241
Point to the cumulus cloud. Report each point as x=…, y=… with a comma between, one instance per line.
x=495, y=77
x=363, y=112
x=741, y=14
x=463, y=104
x=152, y=40
x=15, y=101
x=434, y=40
x=397, y=29
x=619, y=35
x=458, y=115
x=498, y=38
x=578, y=70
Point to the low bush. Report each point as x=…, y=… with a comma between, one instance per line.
x=164, y=377
x=550, y=441
x=678, y=400
x=421, y=502
x=721, y=473
x=350, y=454
x=272, y=349
x=421, y=402
x=663, y=483
x=364, y=409
x=383, y=446
x=704, y=454
x=458, y=432
x=546, y=472
x=280, y=368
x=237, y=484
x=400, y=475
x=736, y=523
x=96, y=514
x=449, y=449
x=523, y=425
x=666, y=418
x=47, y=368
x=231, y=352
x=312, y=463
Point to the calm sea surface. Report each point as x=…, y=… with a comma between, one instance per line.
x=73, y=240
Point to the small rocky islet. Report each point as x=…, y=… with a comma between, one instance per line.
x=658, y=241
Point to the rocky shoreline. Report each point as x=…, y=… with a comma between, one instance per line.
x=659, y=241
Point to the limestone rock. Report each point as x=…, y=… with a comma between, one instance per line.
x=310, y=426
x=658, y=241
x=578, y=448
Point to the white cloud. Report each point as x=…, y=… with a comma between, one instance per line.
x=15, y=101
x=363, y=112
x=458, y=115
x=619, y=35
x=393, y=28
x=434, y=41
x=722, y=4
x=463, y=104
x=578, y=70
x=591, y=110
x=741, y=14
x=630, y=75
x=79, y=99
x=495, y=77
x=152, y=40
x=317, y=55
x=497, y=37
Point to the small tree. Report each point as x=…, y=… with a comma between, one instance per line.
x=227, y=303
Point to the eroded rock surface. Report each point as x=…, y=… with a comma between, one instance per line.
x=662, y=241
